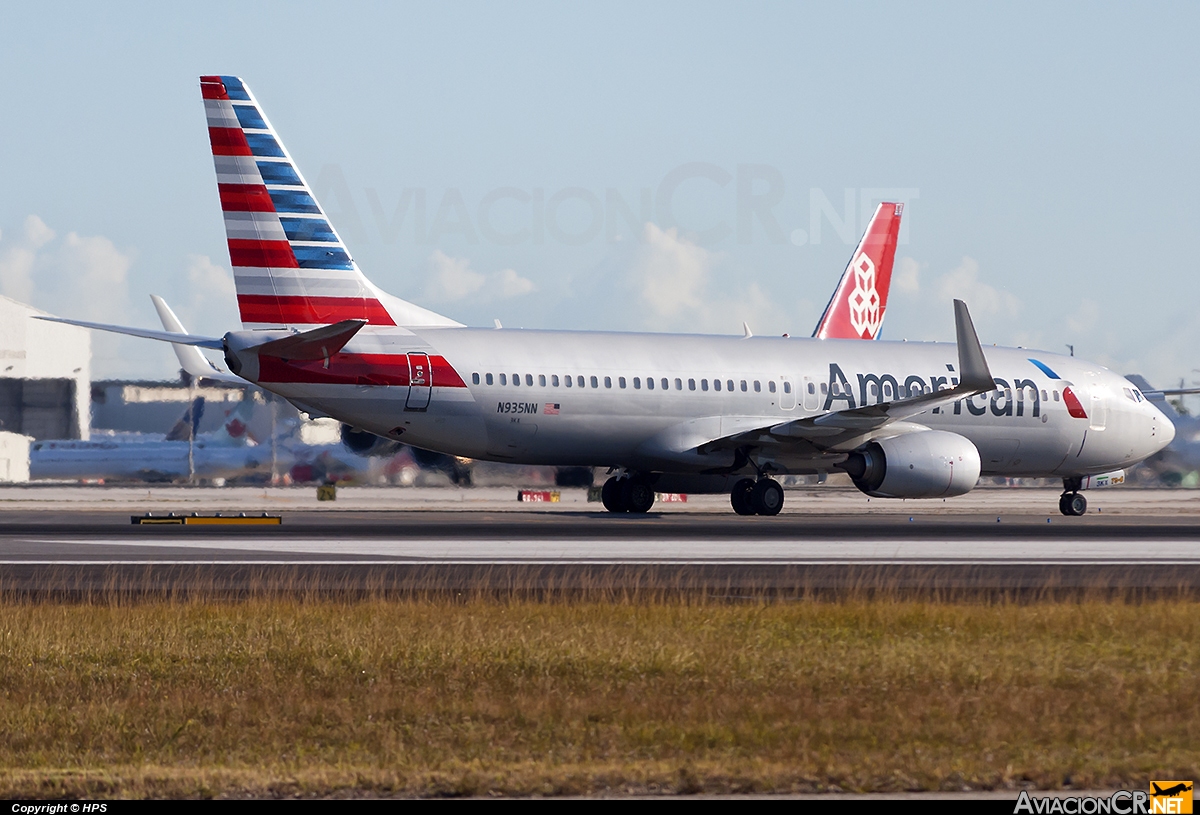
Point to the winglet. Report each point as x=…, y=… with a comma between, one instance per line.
x=190, y=358
x=973, y=369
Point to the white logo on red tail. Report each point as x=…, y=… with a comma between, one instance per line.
x=865, y=314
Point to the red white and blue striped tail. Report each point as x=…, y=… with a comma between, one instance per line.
x=290, y=266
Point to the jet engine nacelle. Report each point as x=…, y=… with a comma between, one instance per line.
x=924, y=464
x=366, y=444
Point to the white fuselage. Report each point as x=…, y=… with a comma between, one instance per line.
x=609, y=416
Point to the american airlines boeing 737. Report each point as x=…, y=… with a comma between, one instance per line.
x=669, y=413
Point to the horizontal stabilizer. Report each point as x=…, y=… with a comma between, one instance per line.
x=163, y=336
x=320, y=343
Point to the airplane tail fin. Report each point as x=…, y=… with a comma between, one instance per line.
x=856, y=309
x=188, y=424
x=290, y=266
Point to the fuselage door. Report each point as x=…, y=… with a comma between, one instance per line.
x=420, y=382
x=1098, y=412
x=787, y=399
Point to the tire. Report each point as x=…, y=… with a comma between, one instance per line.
x=1062, y=504
x=1077, y=504
x=740, y=497
x=638, y=496
x=767, y=497
x=612, y=495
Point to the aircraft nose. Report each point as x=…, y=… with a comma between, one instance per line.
x=1162, y=429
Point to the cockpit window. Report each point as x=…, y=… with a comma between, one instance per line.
x=1129, y=394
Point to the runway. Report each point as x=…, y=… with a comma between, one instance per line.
x=541, y=550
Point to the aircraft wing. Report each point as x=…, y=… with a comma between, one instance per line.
x=846, y=429
x=214, y=343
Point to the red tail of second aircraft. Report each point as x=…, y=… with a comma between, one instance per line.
x=856, y=310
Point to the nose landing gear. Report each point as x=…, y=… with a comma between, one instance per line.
x=1071, y=502
x=761, y=497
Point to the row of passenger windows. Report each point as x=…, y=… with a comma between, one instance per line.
x=745, y=386
x=650, y=383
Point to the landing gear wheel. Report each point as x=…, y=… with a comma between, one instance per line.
x=612, y=495
x=740, y=497
x=767, y=497
x=1072, y=503
x=638, y=496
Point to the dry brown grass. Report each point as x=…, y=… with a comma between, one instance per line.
x=278, y=697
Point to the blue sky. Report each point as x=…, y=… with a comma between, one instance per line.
x=1046, y=151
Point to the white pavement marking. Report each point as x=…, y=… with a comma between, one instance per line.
x=553, y=550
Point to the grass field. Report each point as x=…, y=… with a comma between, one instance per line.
x=280, y=697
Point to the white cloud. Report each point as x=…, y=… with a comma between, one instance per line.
x=453, y=279
x=906, y=278
x=676, y=285
x=17, y=260
x=209, y=281
x=673, y=273
x=963, y=283
x=91, y=277
x=511, y=284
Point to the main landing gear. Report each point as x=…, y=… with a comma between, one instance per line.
x=761, y=497
x=627, y=494
x=1071, y=502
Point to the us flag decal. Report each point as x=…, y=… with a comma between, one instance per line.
x=551, y=409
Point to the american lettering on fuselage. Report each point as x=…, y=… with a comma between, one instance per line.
x=903, y=420
x=1007, y=400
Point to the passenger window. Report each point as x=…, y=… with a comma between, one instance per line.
x=812, y=389
x=729, y=385
x=595, y=382
x=554, y=380
x=771, y=386
x=757, y=386
x=679, y=384
x=579, y=380
x=621, y=381
x=503, y=381
x=787, y=387
x=1055, y=396
x=474, y=379
x=691, y=384
x=637, y=383
x=649, y=383
x=529, y=380
x=608, y=381
x=542, y=380
x=1045, y=396
x=874, y=389
x=716, y=384
x=488, y=379
x=567, y=381
x=664, y=383
x=703, y=384
x=824, y=389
